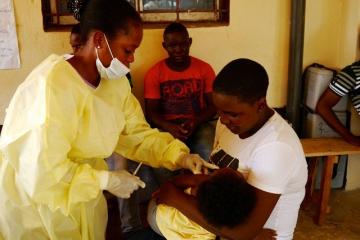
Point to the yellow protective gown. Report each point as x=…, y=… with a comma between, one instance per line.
x=56, y=134
x=176, y=226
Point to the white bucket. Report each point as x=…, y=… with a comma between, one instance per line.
x=317, y=80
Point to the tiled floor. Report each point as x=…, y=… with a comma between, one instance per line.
x=342, y=223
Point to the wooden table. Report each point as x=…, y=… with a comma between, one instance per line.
x=331, y=149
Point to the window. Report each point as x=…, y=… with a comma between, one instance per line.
x=155, y=13
x=56, y=16
x=187, y=11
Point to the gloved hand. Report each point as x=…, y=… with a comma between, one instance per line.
x=195, y=163
x=120, y=183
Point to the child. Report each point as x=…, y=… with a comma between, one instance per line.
x=224, y=198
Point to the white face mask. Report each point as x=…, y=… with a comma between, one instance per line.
x=116, y=69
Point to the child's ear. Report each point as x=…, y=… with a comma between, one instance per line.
x=163, y=45
x=190, y=41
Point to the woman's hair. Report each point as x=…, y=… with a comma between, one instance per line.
x=108, y=16
x=243, y=78
x=226, y=199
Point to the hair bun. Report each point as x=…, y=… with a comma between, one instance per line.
x=76, y=7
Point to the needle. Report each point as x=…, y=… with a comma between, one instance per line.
x=137, y=169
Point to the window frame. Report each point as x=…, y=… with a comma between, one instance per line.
x=52, y=17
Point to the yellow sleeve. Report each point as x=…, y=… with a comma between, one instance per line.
x=176, y=226
x=141, y=143
x=39, y=128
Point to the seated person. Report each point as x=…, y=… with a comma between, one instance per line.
x=253, y=139
x=177, y=92
x=346, y=82
x=224, y=198
x=75, y=41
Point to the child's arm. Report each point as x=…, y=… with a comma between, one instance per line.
x=169, y=194
x=189, y=180
x=174, y=196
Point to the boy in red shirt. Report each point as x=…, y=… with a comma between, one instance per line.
x=178, y=93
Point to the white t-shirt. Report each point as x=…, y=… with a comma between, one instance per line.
x=271, y=160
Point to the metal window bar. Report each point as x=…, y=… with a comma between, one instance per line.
x=57, y=7
x=177, y=10
x=52, y=12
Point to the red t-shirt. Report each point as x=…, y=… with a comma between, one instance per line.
x=181, y=94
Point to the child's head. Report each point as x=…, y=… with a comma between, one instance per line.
x=225, y=199
x=177, y=44
x=239, y=94
x=75, y=41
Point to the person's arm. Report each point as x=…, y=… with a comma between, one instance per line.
x=171, y=195
x=152, y=110
x=139, y=142
x=266, y=234
x=184, y=181
x=265, y=203
x=174, y=196
x=324, y=108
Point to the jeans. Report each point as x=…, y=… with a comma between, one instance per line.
x=202, y=140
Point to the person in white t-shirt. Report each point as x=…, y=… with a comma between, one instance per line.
x=252, y=138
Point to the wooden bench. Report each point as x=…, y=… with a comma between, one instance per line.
x=331, y=149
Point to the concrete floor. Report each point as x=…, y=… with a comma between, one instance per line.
x=342, y=223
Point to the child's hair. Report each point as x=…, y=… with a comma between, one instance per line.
x=243, y=78
x=108, y=16
x=226, y=199
x=175, y=27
